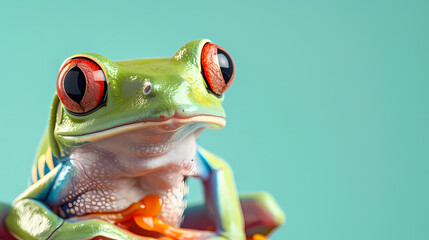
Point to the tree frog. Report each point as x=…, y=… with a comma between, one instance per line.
x=124, y=131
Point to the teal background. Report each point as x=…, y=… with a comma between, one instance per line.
x=328, y=111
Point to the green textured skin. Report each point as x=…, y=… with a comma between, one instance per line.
x=179, y=90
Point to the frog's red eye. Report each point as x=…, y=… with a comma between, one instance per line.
x=218, y=68
x=81, y=85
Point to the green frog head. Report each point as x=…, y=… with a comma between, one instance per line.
x=98, y=98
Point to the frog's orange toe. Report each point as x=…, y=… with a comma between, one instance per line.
x=145, y=223
x=153, y=205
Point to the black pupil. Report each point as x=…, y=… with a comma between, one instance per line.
x=225, y=64
x=75, y=84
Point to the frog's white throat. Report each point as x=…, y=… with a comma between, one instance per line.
x=124, y=169
x=146, y=143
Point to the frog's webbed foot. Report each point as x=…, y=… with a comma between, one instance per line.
x=261, y=213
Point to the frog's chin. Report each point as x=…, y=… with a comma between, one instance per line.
x=166, y=126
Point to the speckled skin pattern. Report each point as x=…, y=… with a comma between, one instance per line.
x=107, y=177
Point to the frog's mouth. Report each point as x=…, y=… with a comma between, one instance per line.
x=172, y=124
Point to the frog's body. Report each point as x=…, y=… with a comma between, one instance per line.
x=133, y=137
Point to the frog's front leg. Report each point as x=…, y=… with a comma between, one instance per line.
x=222, y=200
x=30, y=218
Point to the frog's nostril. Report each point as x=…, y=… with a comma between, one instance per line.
x=147, y=87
